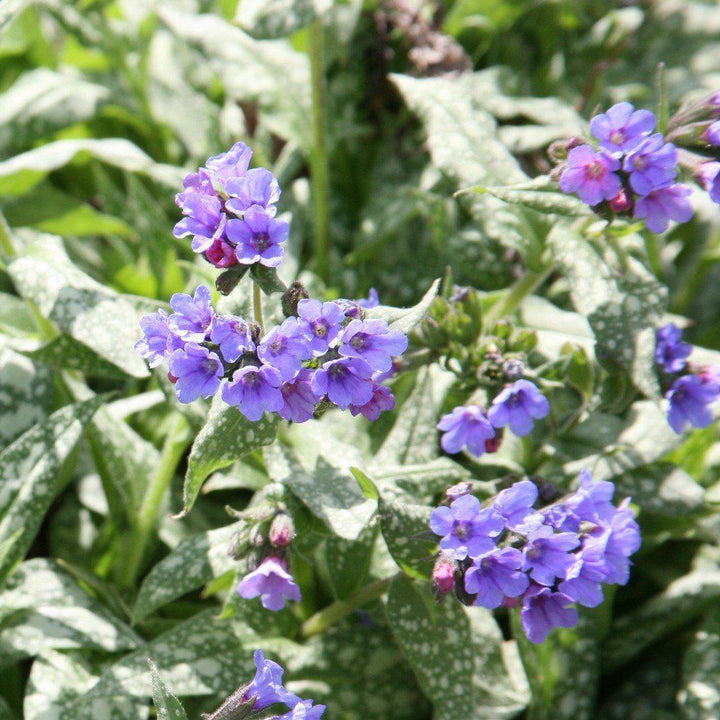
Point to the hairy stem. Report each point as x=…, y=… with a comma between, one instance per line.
x=512, y=300
x=176, y=442
x=319, y=174
x=328, y=616
x=257, y=305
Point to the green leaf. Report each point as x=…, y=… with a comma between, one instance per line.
x=267, y=278
x=406, y=319
x=82, y=308
x=30, y=473
x=9, y=9
x=43, y=608
x=699, y=697
x=278, y=18
x=166, y=704
x=456, y=655
x=194, y=562
x=21, y=173
x=226, y=436
x=346, y=562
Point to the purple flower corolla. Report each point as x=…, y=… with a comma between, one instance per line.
x=382, y=399
x=466, y=528
x=298, y=398
x=712, y=133
x=544, y=610
x=272, y=583
x=193, y=315
x=670, y=350
x=255, y=391
x=495, y=576
x=324, y=323
x=267, y=688
x=285, y=347
x=198, y=372
x=259, y=187
x=709, y=176
x=465, y=426
x=232, y=335
x=371, y=301
x=304, y=710
x=374, y=342
x=515, y=506
x=621, y=128
x=589, y=570
x=652, y=165
x=663, y=205
x=517, y=406
x=231, y=164
x=688, y=399
x=590, y=503
x=548, y=557
x=158, y=341
x=346, y=381
x=624, y=540
x=591, y=175
x=258, y=237
x=204, y=220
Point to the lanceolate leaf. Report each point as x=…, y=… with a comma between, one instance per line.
x=405, y=319
x=168, y=707
x=30, y=473
x=226, y=436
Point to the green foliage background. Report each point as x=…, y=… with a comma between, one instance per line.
x=104, y=106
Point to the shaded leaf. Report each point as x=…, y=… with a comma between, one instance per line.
x=166, y=704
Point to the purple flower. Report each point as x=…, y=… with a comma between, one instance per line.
x=158, y=341
x=624, y=540
x=548, y=556
x=466, y=528
x=232, y=334
x=517, y=406
x=544, y=610
x=710, y=375
x=465, y=426
x=298, y=398
x=304, y=710
x=258, y=237
x=193, y=315
x=495, y=576
x=324, y=323
x=198, y=372
x=346, y=381
x=254, y=390
x=382, y=399
x=591, y=175
x=688, y=400
x=584, y=577
x=515, y=506
x=590, y=503
x=374, y=342
x=622, y=128
x=272, y=582
x=712, y=134
x=652, y=164
x=670, y=350
x=285, y=347
x=663, y=205
x=709, y=176
x=372, y=300
x=258, y=187
x=204, y=220
x=231, y=164
x=267, y=688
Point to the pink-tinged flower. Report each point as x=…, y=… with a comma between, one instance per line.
x=663, y=205
x=709, y=176
x=158, y=341
x=193, y=315
x=272, y=583
x=374, y=342
x=323, y=323
x=382, y=399
x=232, y=335
x=591, y=175
x=621, y=128
x=258, y=187
x=255, y=391
x=712, y=134
x=221, y=254
x=689, y=401
x=231, y=164
x=443, y=575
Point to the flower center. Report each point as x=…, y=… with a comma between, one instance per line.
x=262, y=240
x=208, y=365
x=251, y=379
x=338, y=371
x=461, y=530
x=359, y=341
x=617, y=137
x=596, y=170
x=639, y=162
x=320, y=328
x=277, y=345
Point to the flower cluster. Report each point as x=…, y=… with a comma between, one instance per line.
x=517, y=406
x=230, y=211
x=692, y=390
x=328, y=351
x=633, y=170
x=508, y=553
x=267, y=689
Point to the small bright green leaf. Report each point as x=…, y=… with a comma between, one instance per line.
x=168, y=707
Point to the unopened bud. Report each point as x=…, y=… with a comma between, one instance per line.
x=282, y=530
x=443, y=576
x=291, y=297
x=255, y=332
x=621, y=203
x=492, y=445
x=514, y=369
x=172, y=378
x=458, y=490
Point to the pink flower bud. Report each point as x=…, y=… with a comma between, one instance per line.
x=621, y=203
x=282, y=530
x=443, y=576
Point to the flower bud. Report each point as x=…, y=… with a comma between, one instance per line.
x=492, y=445
x=172, y=378
x=458, y=490
x=621, y=203
x=291, y=297
x=282, y=530
x=443, y=576
x=255, y=332
x=514, y=369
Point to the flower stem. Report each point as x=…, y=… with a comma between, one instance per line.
x=176, y=442
x=512, y=300
x=328, y=616
x=319, y=173
x=257, y=305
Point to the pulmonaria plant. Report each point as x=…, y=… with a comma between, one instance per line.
x=690, y=390
x=511, y=553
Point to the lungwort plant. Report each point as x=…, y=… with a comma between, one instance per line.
x=405, y=408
